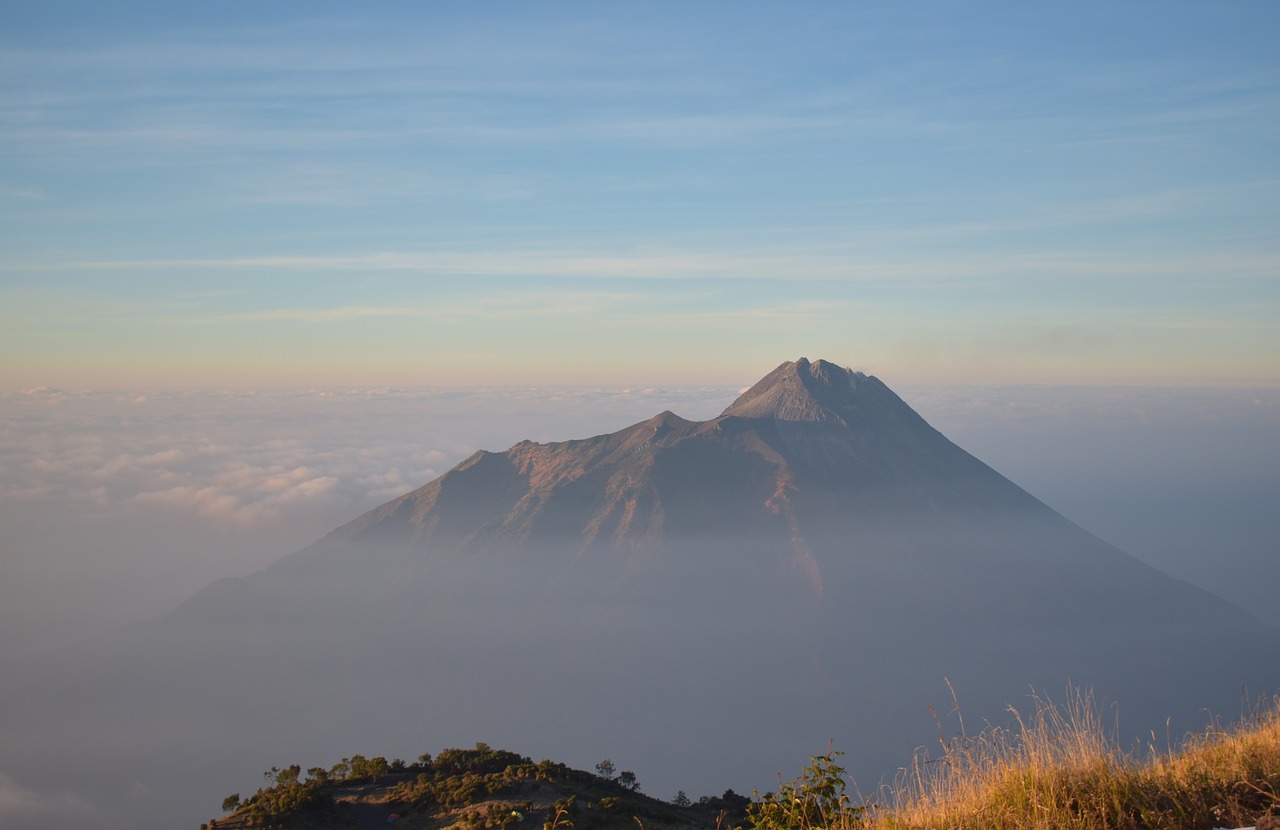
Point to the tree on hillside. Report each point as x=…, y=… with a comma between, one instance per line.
x=371, y=768
x=627, y=778
x=378, y=768
x=605, y=768
x=283, y=777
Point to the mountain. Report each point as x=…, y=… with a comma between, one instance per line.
x=807, y=429
x=817, y=475
x=711, y=601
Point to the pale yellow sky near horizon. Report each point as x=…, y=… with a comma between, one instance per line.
x=106, y=337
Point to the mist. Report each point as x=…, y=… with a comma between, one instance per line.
x=1182, y=478
x=121, y=507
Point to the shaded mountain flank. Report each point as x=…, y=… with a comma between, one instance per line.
x=715, y=601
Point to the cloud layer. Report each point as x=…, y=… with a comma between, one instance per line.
x=120, y=504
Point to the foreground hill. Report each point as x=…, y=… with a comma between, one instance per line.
x=467, y=789
x=1058, y=767
x=712, y=601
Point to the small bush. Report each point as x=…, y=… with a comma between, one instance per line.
x=816, y=799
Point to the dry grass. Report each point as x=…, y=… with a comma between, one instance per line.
x=1062, y=768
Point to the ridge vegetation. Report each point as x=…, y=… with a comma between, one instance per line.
x=1059, y=767
x=466, y=789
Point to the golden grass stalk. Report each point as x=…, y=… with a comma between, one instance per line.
x=1061, y=767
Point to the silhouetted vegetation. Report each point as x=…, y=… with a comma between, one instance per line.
x=1056, y=768
x=467, y=789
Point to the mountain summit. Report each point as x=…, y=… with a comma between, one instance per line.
x=819, y=391
x=711, y=600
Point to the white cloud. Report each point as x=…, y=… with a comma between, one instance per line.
x=163, y=458
x=207, y=501
x=258, y=458
x=929, y=253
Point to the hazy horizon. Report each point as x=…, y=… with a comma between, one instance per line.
x=103, y=483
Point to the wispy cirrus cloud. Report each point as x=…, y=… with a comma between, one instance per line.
x=828, y=265
x=26, y=194
x=312, y=315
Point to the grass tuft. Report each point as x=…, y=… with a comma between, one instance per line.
x=1061, y=767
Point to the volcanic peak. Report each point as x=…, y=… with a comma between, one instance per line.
x=802, y=391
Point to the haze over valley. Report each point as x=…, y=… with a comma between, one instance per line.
x=645, y=622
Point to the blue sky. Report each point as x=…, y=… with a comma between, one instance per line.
x=426, y=193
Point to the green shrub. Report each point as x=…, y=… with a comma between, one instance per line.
x=816, y=799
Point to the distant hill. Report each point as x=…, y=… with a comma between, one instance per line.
x=714, y=601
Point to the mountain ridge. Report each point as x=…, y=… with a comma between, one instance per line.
x=803, y=420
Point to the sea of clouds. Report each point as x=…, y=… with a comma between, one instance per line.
x=117, y=505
